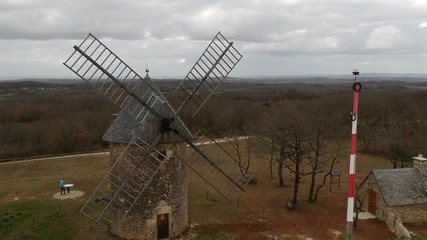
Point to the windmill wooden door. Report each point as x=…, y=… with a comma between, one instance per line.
x=163, y=226
x=372, y=202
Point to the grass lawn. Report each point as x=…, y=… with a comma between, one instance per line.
x=29, y=211
x=47, y=219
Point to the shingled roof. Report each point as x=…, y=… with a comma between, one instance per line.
x=125, y=127
x=400, y=186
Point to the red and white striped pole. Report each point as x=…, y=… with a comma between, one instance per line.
x=352, y=167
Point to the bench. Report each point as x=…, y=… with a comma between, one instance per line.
x=68, y=186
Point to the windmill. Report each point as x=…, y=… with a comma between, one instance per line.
x=144, y=194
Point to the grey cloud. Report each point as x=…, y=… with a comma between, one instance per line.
x=286, y=35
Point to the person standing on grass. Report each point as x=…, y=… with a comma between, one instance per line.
x=62, y=186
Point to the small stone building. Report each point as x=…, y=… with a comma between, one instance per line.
x=161, y=211
x=397, y=196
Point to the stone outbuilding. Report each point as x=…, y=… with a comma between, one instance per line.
x=161, y=211
x=397, y=196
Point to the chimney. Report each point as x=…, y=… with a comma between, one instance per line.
x=420, y=163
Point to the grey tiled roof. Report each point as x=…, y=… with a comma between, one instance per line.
x=125, y=127
x=400, y=186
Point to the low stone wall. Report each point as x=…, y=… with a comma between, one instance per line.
x=395, y=225
x=411, y=213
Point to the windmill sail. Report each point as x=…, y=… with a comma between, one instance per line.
x=142, y=101
x=126, y=181
x=212, y=173
x=93, y=62
x=210, y=70
x=138, y=97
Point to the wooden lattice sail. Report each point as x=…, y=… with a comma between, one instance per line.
x=154, y=123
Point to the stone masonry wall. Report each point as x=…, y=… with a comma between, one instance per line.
x=168, y=188
x=410, y=213
x=371, y=184
x=407, y=213
x=395, y=216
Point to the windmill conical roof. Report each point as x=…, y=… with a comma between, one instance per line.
x=125, y=127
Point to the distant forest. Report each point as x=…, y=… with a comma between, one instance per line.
x=46, y=118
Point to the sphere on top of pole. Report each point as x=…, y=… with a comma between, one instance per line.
x=355, y=73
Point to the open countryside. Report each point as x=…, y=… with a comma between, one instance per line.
x=45, y=119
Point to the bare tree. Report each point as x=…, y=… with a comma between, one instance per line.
x=323, y=153
x=359, y=204
x=271, y=164
x=297, y=150
x=397, y=133
x=276, y=141
x=320, y=164
x=242, y=147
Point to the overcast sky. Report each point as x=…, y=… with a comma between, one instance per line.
x=276, y=37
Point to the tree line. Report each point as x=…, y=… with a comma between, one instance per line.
x=51, y=123
x=392, y=121
x=306, y=128
x=298, y=124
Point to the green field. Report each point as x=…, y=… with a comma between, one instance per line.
x=29, y=211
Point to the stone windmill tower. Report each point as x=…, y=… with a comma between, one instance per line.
x=163, y=208
x=144, y=194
